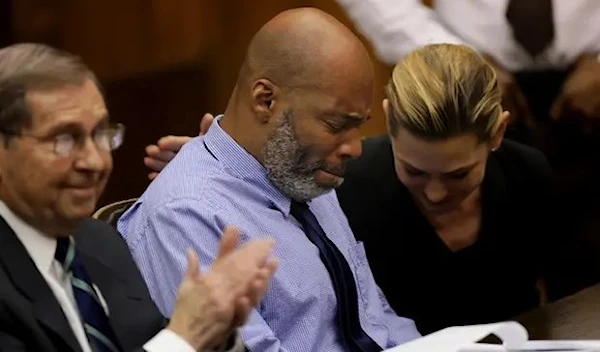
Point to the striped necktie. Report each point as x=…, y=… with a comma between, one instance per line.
x=95, y=321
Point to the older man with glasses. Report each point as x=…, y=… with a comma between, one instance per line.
x=67, y=282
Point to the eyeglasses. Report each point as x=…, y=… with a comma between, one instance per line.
x=106, y=138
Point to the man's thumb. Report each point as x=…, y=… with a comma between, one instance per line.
x=193, y=268
x=205, y=123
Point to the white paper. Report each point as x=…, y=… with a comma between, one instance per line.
x=457, y=337
x=546, y=346
x=513, y=335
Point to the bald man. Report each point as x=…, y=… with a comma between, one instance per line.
x=268, y=166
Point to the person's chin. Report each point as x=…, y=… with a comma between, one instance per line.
x=442, y=208
x=82, y=199
x=82, y=193
x=327, y=180
x=70, y=215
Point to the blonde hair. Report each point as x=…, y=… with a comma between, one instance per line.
x=444, y=90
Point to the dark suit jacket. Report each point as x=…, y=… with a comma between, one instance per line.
x=31, y=318
x=492, y=280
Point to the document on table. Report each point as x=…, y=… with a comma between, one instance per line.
x=513, y=335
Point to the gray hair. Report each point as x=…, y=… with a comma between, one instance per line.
x=33, y=66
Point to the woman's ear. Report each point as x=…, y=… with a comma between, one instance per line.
x=499, y=136
x=385, y=104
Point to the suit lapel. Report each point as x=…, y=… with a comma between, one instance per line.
x=99, y=266
x=24, y=274
x=111, y=285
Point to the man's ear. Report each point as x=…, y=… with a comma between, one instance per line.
x=499, y=136
x=264, y=99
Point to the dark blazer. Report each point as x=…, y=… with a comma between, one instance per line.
x=31, y=318
x=495, y=278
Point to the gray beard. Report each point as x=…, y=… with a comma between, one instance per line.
x=285, y=161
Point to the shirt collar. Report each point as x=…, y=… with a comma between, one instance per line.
x=241, y=164
x=40, y=247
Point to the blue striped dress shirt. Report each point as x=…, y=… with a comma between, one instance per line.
x=214, y=182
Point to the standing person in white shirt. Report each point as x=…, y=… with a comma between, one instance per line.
x=515, y=35
x=67, y=282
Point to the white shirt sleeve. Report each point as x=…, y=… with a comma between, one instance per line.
x=168, y=341
x=396, y=27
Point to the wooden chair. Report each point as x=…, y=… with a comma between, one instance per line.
x=112, y=212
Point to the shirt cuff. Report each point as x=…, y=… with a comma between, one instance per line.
x=167, y=340
x=233, y=344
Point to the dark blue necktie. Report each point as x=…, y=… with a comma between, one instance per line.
x=95, y=321
x=343, y=281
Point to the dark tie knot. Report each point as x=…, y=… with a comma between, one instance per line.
x=298, y=208
x=532, y=24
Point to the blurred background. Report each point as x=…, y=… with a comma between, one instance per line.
x=163, y=63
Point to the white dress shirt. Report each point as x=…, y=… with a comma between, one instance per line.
x=41, y=249
x=396, y=27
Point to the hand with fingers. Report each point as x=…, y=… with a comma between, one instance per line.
x=160, y=154
x=579, y=99
x=513, y=100
x=211, y=305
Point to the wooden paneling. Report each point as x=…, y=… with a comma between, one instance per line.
x=6, y=20
x=119, y=38
x=151, y=105
x=163, y=62
x=35, y=21
x=239, y=20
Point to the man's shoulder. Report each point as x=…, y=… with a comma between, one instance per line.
x=195, y=183
x=196, y=204
x=98, y=237
x=112, y=268
x=96, y=227
x=192, y=169
x=188, y=183
x=99, y=242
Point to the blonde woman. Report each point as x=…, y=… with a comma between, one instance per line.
x=454, y=218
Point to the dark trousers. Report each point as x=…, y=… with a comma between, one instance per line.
x=575, y=159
